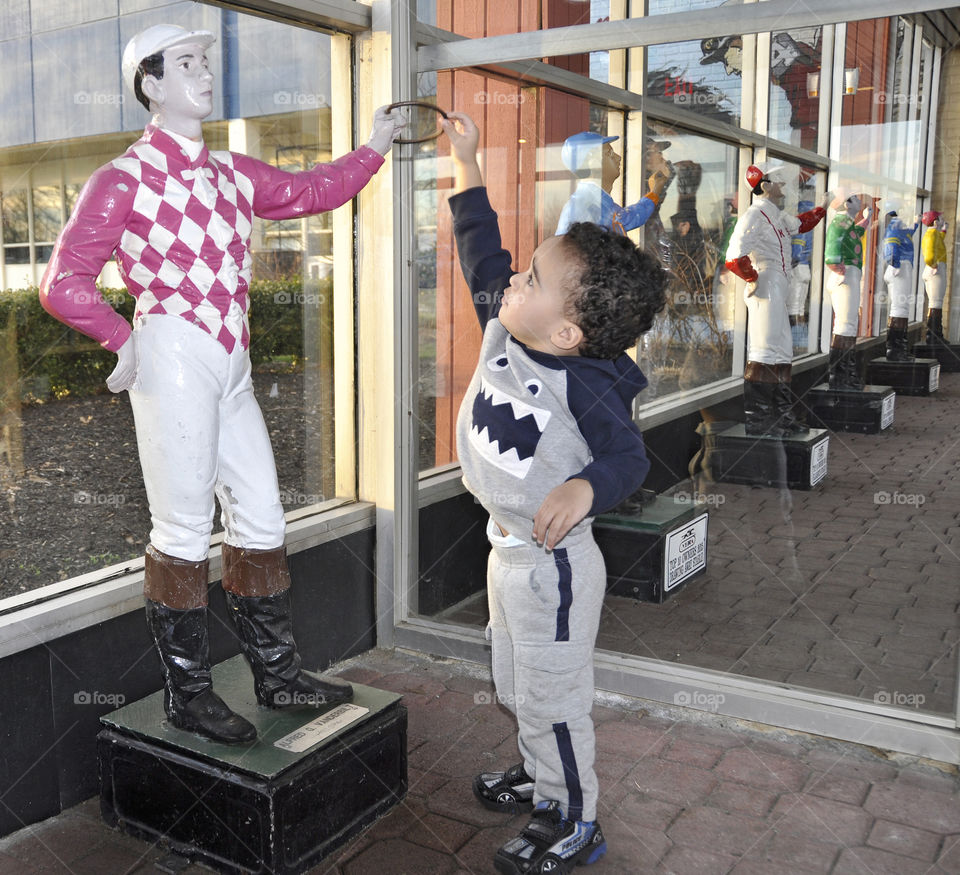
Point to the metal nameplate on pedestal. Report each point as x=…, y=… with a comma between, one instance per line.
x=887, y=411
x=321, y=728
x=818, y=461
x=686, y=552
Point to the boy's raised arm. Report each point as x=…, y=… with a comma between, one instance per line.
x=483, y=260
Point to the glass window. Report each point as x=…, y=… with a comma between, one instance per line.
x=46, y=213
x=704, y=76
x=691, y=343
x=75, y=493
x=795, y=86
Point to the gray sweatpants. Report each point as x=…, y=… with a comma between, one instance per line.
x=544, y=616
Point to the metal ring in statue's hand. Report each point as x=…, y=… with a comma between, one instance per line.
x=423, y=104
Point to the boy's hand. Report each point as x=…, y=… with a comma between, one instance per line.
x=562, y=509
x=464, y=136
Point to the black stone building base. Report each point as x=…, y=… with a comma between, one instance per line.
x=255, y=808
x=948, y=354
x=919, y=377
x=798, y=462
x=651, y=554
x=868, y=411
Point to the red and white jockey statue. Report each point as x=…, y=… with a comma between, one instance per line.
x=178, y=219
x=760, y=253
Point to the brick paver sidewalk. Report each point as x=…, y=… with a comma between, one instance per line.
x=679, y=794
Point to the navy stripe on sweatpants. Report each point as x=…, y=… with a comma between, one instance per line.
x=565, y=586
x=570, y=772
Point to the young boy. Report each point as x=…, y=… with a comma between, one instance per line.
x=546, y=441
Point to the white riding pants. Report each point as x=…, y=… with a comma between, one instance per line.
x=844, y=294
x=768, y=327
x=200, y=433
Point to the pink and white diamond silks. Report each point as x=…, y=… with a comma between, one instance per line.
x=180, y=230
x=187, y=241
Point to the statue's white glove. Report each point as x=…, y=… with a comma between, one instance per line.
x=125, y=373
x=386, y=126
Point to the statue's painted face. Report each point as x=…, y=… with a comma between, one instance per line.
x=186, y=89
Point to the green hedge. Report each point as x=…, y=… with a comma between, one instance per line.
x=56, y=361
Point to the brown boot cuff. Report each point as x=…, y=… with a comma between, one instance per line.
x=256, y=573
x=841, y=341
x=759, y=372
x=177, y=583
x=898, y=323
x=784, y=372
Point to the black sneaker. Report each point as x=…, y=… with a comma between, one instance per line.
x=510, y=792
x=551, y=844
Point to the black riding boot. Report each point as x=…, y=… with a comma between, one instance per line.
x=783, y=402
x=833, y=367
x=934, y=326
x=266, y=638
x=897, y=340
x=188, y=697
x=759, y=408
x=843, y=364
x=257, y=584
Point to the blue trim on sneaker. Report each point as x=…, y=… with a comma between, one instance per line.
x=565, y=586
x=571, y=774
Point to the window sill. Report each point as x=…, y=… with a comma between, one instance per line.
x=61, y=608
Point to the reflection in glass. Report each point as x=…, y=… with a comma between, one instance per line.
x=46, y=214
x=794, y=104
x=16, y=223
x=691, y=343
x=703, y=76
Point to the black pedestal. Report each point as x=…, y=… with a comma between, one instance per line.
x=948, y=354
x=653, y=554
x=919, y=377
x=868, y=411
x=798, y=462
x=278, y=805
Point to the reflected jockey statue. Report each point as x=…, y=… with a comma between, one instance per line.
x=760, y=253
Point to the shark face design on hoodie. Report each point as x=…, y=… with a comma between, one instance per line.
x=506, y=430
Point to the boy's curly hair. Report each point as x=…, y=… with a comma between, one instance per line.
x=621, y=290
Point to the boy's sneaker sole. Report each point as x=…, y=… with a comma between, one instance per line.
x=551, y=845
x=510, y=792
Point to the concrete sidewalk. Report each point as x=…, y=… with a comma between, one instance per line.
x=680, y=793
